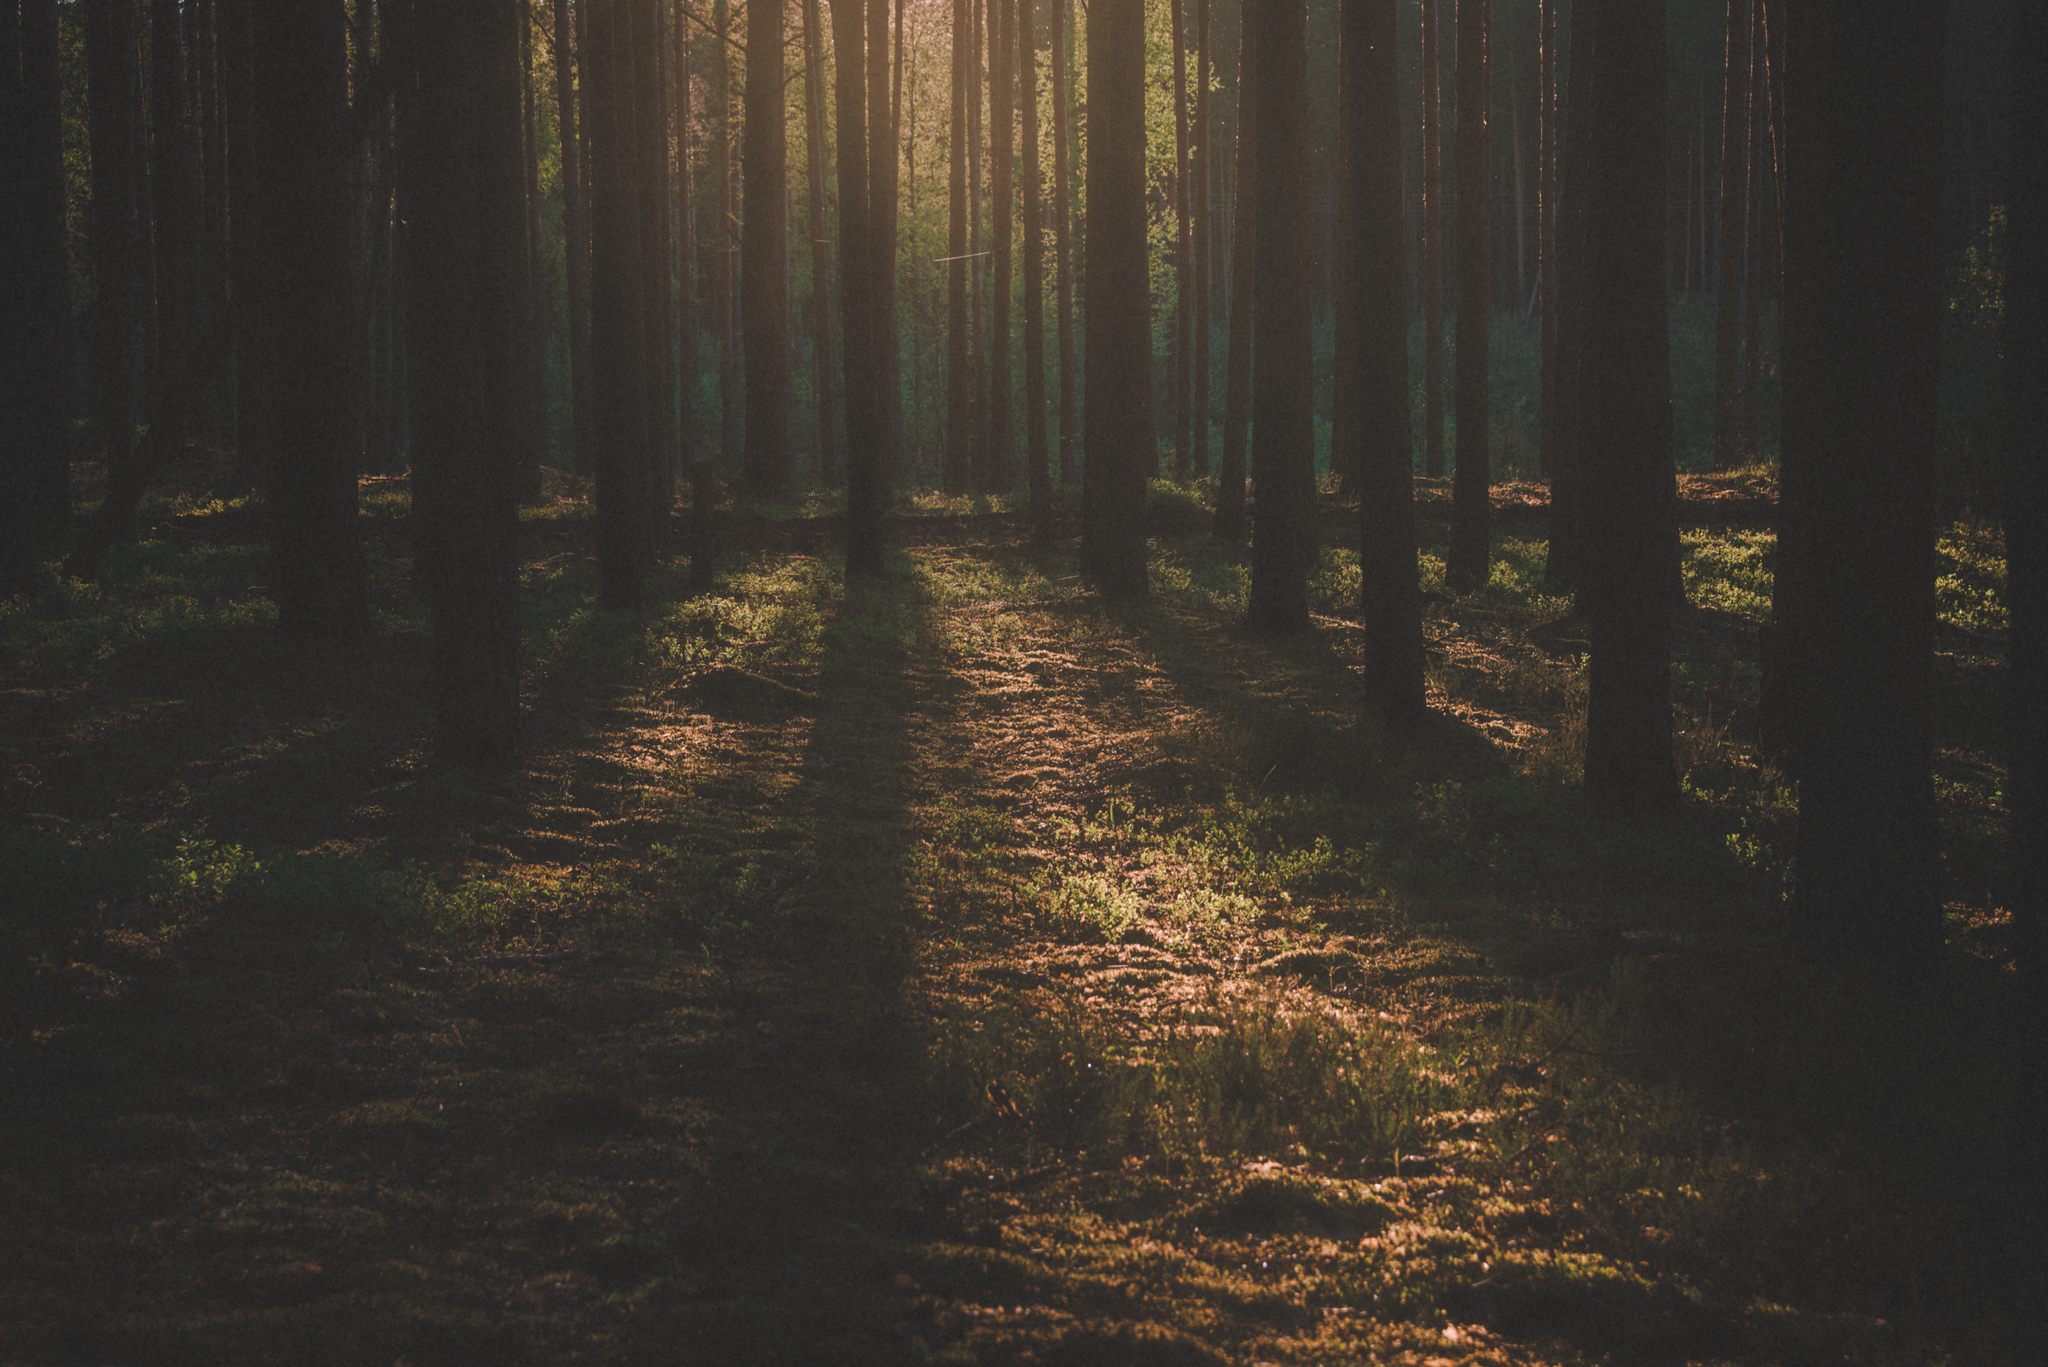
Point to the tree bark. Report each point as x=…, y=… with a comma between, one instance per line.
x=1063, y=229
x=1563, y=430
x=764, y=258
x=1202, y=236
x=1432, y=250
x=1283, y=376
x=865, y=490
x=114, y=123
x=469, y=250
x=1232, y=520
x=1853, y=610
x=318, y=572
x=689, y=367
x=1629, y=481
x=1546, y=227
x=721, y=235
x=1183, y=248
x=830, y=472
x=1118, y=436
x=956, y=468
x=1375, y=274
x=882, y=182
x=1729, y=238
x=1753, y=251
x=532, y=358
x=575, y=242
x=1466, y=564
x=1036, y=471
x=655, y=475
x=1001, y=477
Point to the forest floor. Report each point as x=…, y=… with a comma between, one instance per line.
x=961, y=969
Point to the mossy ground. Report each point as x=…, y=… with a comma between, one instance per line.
x=958, y=968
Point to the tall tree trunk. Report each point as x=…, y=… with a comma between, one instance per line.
x=1283, y=376
x=1752, y=249
x=470, y=253
x=174, y=201
x=764, y=258
x=255, y=435
x=1564, y=432
x=532, y=358
x=1546, y=229
x=1853, y=607
x=865, y=489
x=1627, y=397
x=657, y=473
x=1432, y=250
x=2026, y=515
x=1183, y=248
x=689, y=377
x=575, y=241
x=619, y=396
x=956, y=470
x=114, y=123
x=977, y=264
x=1375, y=277
x=1063, y=232
x=1232, y=519
x=318, y=571
x=882, y=236
x=1466, y=564
x=1118, y=308
x=1729, y=239
x=1002, y=447
x=35, y=378
x=721, y=243
x=829, y=471
x=1522, y=300
x=1202, y=242
x=1039, y=475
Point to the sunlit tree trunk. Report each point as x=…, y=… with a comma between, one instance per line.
x=764, y=258
x=882, y=180
x=1466, y=564
x=1183, y=306
x=721, y=238
x=1232, y=518
x=1202, y=238
x=1853, y=606
x=1037, y=473
x=689, y=367
x=532, y=358
x=1001, y=475
x=1283, y=378
x=1374, y=274
x=1063, y=230
x=822, y=353
x=956, y=470
x=1118, y=310
x=469, y=251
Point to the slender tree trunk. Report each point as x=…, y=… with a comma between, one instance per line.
x=1063, y=231
x=1728, y=270
x=657, y=473
x=575, y=241
x=977, y=264
x=1627, y=398
x=532, y=357
x=1564, y=432
x=1432, y=250
x=1183, y=248
x=1546, y=228
x=1202, y=236
x=1038, y=474
x=35, y=378
x=1466, y=564
x=2025, y=338
x=1752, y=249
x=1523, y=303
x=174, y=200
x=882, y=184
x=318, y=571
x=1118, y=308
x=1232, y=519
x=721, y=244
x=114, y=122
x=689, y=376
x=829, y=471
x=1853, y=605
x=1283, y=376
x=618, y=371
x=955, y=465
x=1002, y=449
x=1375, y=279
x=865, y=489
x=470, y=250
x=764, y=258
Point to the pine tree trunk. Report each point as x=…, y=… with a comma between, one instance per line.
x=302, y=115
x=1283, y=376
x=1729, y=239
x=1202, y=242
x=865, y=490
x=114, y=121
x=1183, y=248
x=1232, y=516
x=1546, y=229
x=1466, y=564
x=1432, y=250
x=882, y=181
x=830, y=472
x=1853, y=606
x=764, y=258
x=1375, y=273
x=689, y=376
x=977, y=263
x=1063, y=230
x=656, y=472
x=1001, y=476
x=1627, y=412
x=1564, y=432
x=1752, y=251
x=175, y=205
x=955, y=465
x=532, y=354
x=575, y=241
x=1039, y=476
x=721, y=235
x=469, y=244
x=1118, y=433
